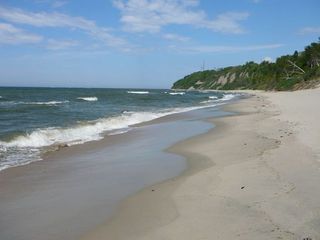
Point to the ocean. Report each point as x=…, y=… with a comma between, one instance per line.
x=34, y=121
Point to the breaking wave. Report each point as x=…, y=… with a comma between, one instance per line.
x=213, y=97
x=177, y=93
x=49, y=103
x=45, y=103
x=28, y=147
x=89, y=99
x=138, y=92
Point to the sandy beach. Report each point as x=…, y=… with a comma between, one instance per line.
x=72, y=191
x=254, y=176
x=159, y=120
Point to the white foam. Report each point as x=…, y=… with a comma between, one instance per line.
x=44, y=103
x=118, y=132
x=14, y=158
x=227, y=97
x=213, y=97
x=207, y=101
x=81, y=133
x=138, y=92
x=35, y=103
x=27, y=147
x=177, y=93
x=89, y=99
x=88, y=131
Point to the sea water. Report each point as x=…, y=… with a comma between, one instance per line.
x=37, y=120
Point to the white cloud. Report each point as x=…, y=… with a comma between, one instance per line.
x=228, y=22
x=45, y=19
x=52, y=3
x=175, y=37
x=310, y=30
x=151, y=15
x=268, y=59
x=12, y=35
x=54, y=44
x=225, y=49
x=58, y=4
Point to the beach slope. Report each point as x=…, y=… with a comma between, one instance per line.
x=255, y=176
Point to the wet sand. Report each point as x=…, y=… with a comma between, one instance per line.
x=76, y=189
x=256, y=175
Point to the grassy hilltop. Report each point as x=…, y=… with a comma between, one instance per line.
x=289, y=72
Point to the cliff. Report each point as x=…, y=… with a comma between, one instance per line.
x=289, y=72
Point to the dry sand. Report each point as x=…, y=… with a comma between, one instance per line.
x=255, y=176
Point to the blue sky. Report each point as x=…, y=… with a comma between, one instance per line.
x=144, y=43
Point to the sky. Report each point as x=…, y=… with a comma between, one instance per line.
x=144, y=43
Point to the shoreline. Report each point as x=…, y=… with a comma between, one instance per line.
x=76, y=189
x=151, y=202
x=243, y=188
x=173, y=113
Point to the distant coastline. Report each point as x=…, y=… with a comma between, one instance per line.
x=290, y=72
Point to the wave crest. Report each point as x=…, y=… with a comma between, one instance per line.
x=177, y=93
x=92, y=130
x=138, y=92
x=213, y=97
x=45, y=103
x=89, y=99
x=27, y=148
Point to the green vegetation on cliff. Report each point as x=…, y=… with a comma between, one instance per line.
x=289, y=72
